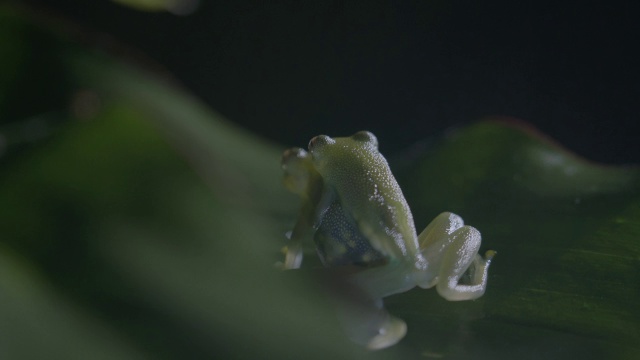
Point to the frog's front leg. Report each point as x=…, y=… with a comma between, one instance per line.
x=451, y=248
x=293, y=253
x=302, y=179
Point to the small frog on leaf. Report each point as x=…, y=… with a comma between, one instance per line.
x=357, y=215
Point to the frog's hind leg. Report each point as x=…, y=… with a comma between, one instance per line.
x=461, y=255
x=363, y=315
x=370, y=325
x=434, y=241
x=444, y=224
x=451, y=248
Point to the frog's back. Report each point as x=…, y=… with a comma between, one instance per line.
x=362, y=179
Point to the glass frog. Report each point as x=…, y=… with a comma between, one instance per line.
x=355, y=211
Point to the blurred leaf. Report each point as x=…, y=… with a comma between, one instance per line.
x=179, y=7
x=141, y=223
x=179, y=264
x=37, y=323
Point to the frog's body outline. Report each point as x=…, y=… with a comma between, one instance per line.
x=356, y=213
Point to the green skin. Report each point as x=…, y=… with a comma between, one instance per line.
x=357, y=215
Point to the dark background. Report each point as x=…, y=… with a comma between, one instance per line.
x=405, y=70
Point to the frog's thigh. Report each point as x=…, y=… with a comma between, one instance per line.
x=444, y=224
x=382, y=281
x=434, y=240
x=459, y=255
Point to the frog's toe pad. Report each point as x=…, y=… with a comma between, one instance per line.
x=392, y=332
x=489, y=255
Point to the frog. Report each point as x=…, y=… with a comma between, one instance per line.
x=355, y=212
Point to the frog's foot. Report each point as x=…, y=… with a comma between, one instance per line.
x=365, y=320
x=478, y=271
x=489, y=255
x=392, y=331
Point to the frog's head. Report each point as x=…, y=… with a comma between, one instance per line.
x=298, y=170
x=326, y=150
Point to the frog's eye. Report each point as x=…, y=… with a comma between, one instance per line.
x=366, y=136
x=319, y=141
x=291, y=156
x=297, y=167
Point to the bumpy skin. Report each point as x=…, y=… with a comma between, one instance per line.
x=357, y=215
x=340, y=242
x=359, y=177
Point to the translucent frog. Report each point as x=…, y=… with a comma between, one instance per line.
x=356, y=214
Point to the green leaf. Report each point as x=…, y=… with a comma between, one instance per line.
x=565, y=280
x=137, y=222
